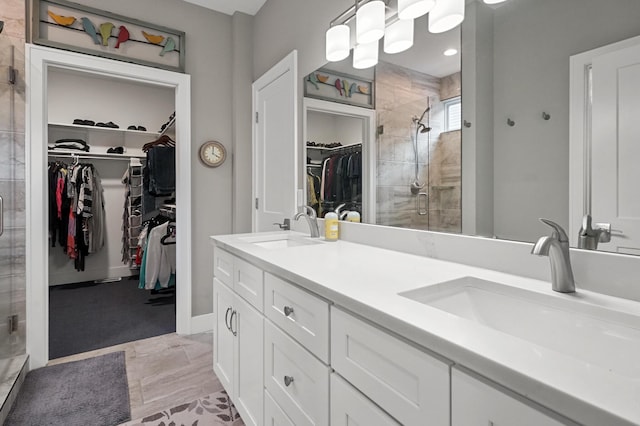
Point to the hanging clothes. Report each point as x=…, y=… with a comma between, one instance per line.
x=158, y=266
x=76, y=210
x=341, y=181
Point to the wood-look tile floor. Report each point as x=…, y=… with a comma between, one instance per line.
x=164, y=371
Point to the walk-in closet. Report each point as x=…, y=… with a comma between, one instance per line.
x=111, y=210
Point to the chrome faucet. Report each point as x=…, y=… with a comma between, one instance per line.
x=312, y=219
x=556, y=247
x=589, y=237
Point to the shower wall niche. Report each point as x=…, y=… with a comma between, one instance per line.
x=402, y=94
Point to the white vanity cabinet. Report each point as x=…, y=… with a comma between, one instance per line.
x=239, y=334
x=409, y=384
x=475, y=403
x=350, y=407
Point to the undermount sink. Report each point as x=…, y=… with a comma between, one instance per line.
x=563, y=323
x=279, y=241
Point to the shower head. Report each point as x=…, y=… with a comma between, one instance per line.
x=423, y=128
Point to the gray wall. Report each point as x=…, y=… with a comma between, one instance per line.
x=531, y=75
x=210, y=43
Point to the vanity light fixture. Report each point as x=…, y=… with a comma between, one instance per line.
x=450, y=52
x=446, y=15
x=365, y=55
x=338, y=42
x=412, y=9
x=370, y=21
x=399, y=36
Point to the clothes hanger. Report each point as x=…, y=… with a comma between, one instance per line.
x=163, y=140
x=171, y=230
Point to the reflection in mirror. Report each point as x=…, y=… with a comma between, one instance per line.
x=522, y=151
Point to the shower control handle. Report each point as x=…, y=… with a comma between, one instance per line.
x=425, y=211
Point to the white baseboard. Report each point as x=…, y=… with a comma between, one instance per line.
x=202, y=323
x=72, y=276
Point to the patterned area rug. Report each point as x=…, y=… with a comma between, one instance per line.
x=212, y=410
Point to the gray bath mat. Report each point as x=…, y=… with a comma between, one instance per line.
x=92, y=392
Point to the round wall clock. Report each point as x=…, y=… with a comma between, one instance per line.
x=213, y=153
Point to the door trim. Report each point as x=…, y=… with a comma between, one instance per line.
x=368, y=148
x=580, y=134
x=288, y=63
x=39, y=60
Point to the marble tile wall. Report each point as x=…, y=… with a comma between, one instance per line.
x=400, y=95
x=12, y=176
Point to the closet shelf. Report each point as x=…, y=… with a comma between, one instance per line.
x=169, y=126
x=336, y=148
x=103, y=129
x=68, y=153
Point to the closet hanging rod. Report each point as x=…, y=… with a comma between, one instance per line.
x=93, y=157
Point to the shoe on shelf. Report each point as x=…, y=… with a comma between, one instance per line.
x=132, y=127
x=84, y=122
x=116, y=150
x=142, y=128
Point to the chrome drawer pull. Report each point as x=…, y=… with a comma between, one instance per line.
x=288, y=380
x=288, y=310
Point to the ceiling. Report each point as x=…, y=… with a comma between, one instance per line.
x=250, y=7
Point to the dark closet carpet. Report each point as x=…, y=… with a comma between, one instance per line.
x=88, y=316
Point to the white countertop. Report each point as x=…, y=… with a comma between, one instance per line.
x=366, y=280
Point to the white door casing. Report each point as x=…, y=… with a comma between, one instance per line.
x=604, y=149
x=368, y=117
x=39, y=60
x=275, y=154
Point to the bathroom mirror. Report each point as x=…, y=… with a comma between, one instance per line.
x=509, y=160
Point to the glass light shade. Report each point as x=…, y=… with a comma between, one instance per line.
x=494, y=1
x=365, y=55
x=446, y=15
x=337, y=43
x=411, y=9
x=399, y=36
x=370, y=22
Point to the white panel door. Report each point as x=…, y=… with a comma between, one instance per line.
x=616, y=147
x=249, y=369
x=223, y=340
x=275, y=153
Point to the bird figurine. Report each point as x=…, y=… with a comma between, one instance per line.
x=363, y=89
x=313, y=80
x=123, y=35
x=90, y=29
x=169, y=46
x=352, y=88
x=345, y=86
x=105, y=32
x=152, y=38
x=338, y=86
x=65, y=21
x=322, y=78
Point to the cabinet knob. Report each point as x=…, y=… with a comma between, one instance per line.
x=288, y=310
x=288, y=380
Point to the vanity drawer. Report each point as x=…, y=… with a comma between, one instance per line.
x=350, y=407
x=248, y=283
x=296, y=380
x=409, y=384
x=273, y=414
x=304, y=316
x=223, y=266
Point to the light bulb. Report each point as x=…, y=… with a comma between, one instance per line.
x=337, y=43
x=365, y=55
x=411, y=9
x=370, y=22
x=446, y=15
x=450, y=52
x=399, y=36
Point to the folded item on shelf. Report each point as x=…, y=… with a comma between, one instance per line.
x=77, y=144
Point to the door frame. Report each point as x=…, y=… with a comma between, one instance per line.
x=288, y=64
x=580, y=132
x=368, y=147
x=39, y=60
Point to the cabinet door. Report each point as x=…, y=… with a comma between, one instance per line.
x=273, y=414
x=350, y=407
x=409, y=384
x=249, y=356
x=474, y=403
x=223, y=339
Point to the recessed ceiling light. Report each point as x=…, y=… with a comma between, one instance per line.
x=450, y=52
